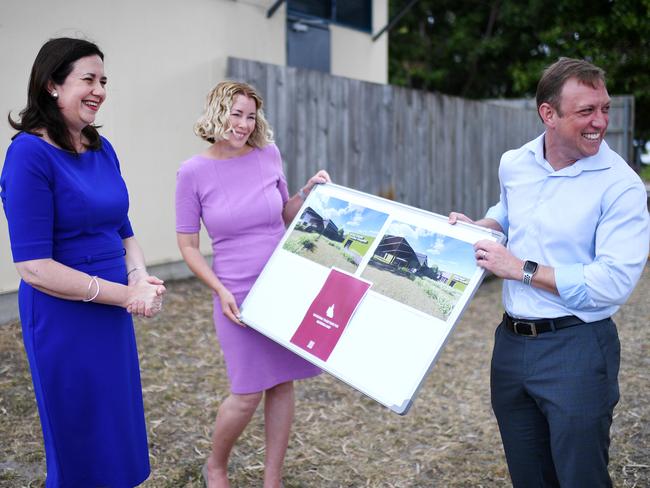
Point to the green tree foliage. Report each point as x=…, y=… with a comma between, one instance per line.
x=498, y=48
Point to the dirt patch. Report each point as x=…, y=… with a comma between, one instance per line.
x=340, y=438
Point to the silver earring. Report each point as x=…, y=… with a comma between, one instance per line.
x=54, y=94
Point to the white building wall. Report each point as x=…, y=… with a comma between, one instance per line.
x=161, y=58
x=356, y=55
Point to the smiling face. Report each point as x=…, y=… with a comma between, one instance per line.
x=576, y=129
x=82, y=93
x=242, y=118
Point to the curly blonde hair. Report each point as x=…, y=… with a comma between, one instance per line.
x=213, y=125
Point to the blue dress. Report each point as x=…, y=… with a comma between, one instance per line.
x=82, y=356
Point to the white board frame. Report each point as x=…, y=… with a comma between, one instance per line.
x=388, y=347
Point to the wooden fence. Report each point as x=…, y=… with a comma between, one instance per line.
x=432, y=151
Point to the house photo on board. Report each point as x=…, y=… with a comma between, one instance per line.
x=334, y=232
x=421, y=268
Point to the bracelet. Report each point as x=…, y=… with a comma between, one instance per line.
x=134, y=269
x=302, y=194
x=93, y=279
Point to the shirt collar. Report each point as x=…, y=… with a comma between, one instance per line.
x=598, y=161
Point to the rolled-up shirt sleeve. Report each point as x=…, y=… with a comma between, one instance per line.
x=621, y=249
x=499, y=213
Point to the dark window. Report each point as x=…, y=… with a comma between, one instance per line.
x=317, y=8
x=351, y=13
x=355, y=13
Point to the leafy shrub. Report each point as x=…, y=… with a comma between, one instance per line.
x=309, y=245
x=302, y=243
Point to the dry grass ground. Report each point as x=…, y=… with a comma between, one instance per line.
x=406, y=291
x=325, y=251
x=340, y=438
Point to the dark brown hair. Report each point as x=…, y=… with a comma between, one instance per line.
x=53, y=63
x=556, y=75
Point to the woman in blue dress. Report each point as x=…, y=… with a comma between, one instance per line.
x=82, y=271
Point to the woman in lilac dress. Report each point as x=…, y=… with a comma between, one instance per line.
x=82, y=273
x=237, y=187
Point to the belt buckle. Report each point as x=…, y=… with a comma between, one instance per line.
x=532, y=329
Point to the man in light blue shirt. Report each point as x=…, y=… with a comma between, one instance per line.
x=577, y=224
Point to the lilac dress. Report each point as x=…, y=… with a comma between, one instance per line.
x=240, y=201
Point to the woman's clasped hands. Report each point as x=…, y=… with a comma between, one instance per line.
x=145, y=296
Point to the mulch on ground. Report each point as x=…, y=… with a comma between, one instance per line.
x=340, y=438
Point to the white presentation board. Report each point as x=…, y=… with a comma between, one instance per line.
x=367, y=289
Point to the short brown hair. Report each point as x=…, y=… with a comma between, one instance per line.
x=213, y=125
x=556, y=75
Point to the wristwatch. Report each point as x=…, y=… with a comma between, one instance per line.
x=530, y=268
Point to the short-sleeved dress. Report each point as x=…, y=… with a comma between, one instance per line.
x=82, y=356
x=240, y=201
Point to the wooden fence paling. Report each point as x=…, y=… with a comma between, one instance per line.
x=432, y=151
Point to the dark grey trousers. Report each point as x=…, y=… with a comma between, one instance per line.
x=553, y=396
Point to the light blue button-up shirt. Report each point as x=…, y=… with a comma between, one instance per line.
x=589, y=221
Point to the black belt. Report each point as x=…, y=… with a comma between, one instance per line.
x=534, y=327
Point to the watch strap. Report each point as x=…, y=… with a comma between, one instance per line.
x=529, y=270
x=528, y=278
